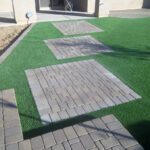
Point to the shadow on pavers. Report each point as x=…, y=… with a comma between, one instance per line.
x=55, y=126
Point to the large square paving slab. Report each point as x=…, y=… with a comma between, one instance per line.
x=76, y=27
x=72, y=89
x=76, y=46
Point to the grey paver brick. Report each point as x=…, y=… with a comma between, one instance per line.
x=98, y=135
x=75, y=140
x=114, y=125
x=46, y=119
x=80, y=130
x=25, y=145
x=77, y=146
x=63, y=114
x=12, y=147
x=13, y=139
x=87, y=141
x=66, y=145
x=37, y=143
x=80, y=110
x=99, y=145
x=54, y=117
x=71, y=112
x=58, y=147
x=109, y=142
x=70, y=133
x=48, y=140
x=109, y=118
x=59, y=136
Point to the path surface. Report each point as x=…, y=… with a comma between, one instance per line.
x=76, y=27
x=10, y=127
x=105, y=133
x=79, y=46
x=68, y=90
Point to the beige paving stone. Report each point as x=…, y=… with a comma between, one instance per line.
x=87, y=142
x=59, y=136
x=70, y=133
x=48, y=140
x=110, y=142
x=80, y=130
x=73, y=141
x=66, y=145
x=99, y=145
x=76, y=27
x=12, y=147
x=58, y=147
x=37, y=143
x=77, y=146
x=25, y=145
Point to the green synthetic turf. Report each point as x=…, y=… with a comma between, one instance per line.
x=130, y=40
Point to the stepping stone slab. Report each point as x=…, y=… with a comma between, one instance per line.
x=76, y=27
x=84, y=83
x=76, y=46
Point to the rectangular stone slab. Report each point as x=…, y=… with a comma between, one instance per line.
x=76, y=46
x=72, y=89
x=76, y=27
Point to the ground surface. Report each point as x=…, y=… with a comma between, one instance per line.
x=76, y=46
x=77, y=88
x=100, y=133
x=7, y=34
x=130, y=62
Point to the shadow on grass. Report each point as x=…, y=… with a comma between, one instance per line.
x=124, y=52
x=141, y=131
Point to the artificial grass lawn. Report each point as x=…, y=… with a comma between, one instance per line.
x=130, y=40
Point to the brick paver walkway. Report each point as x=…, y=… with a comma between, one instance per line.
x=105, y=133
x=76, y=46
x=10, y=128
x=76, y=27
x=72, y=89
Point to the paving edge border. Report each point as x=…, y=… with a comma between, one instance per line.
x=11, y=48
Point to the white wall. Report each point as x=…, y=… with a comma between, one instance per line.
x=6, y=6
x=21, y=7
x=119, y=4
x=125, y=4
